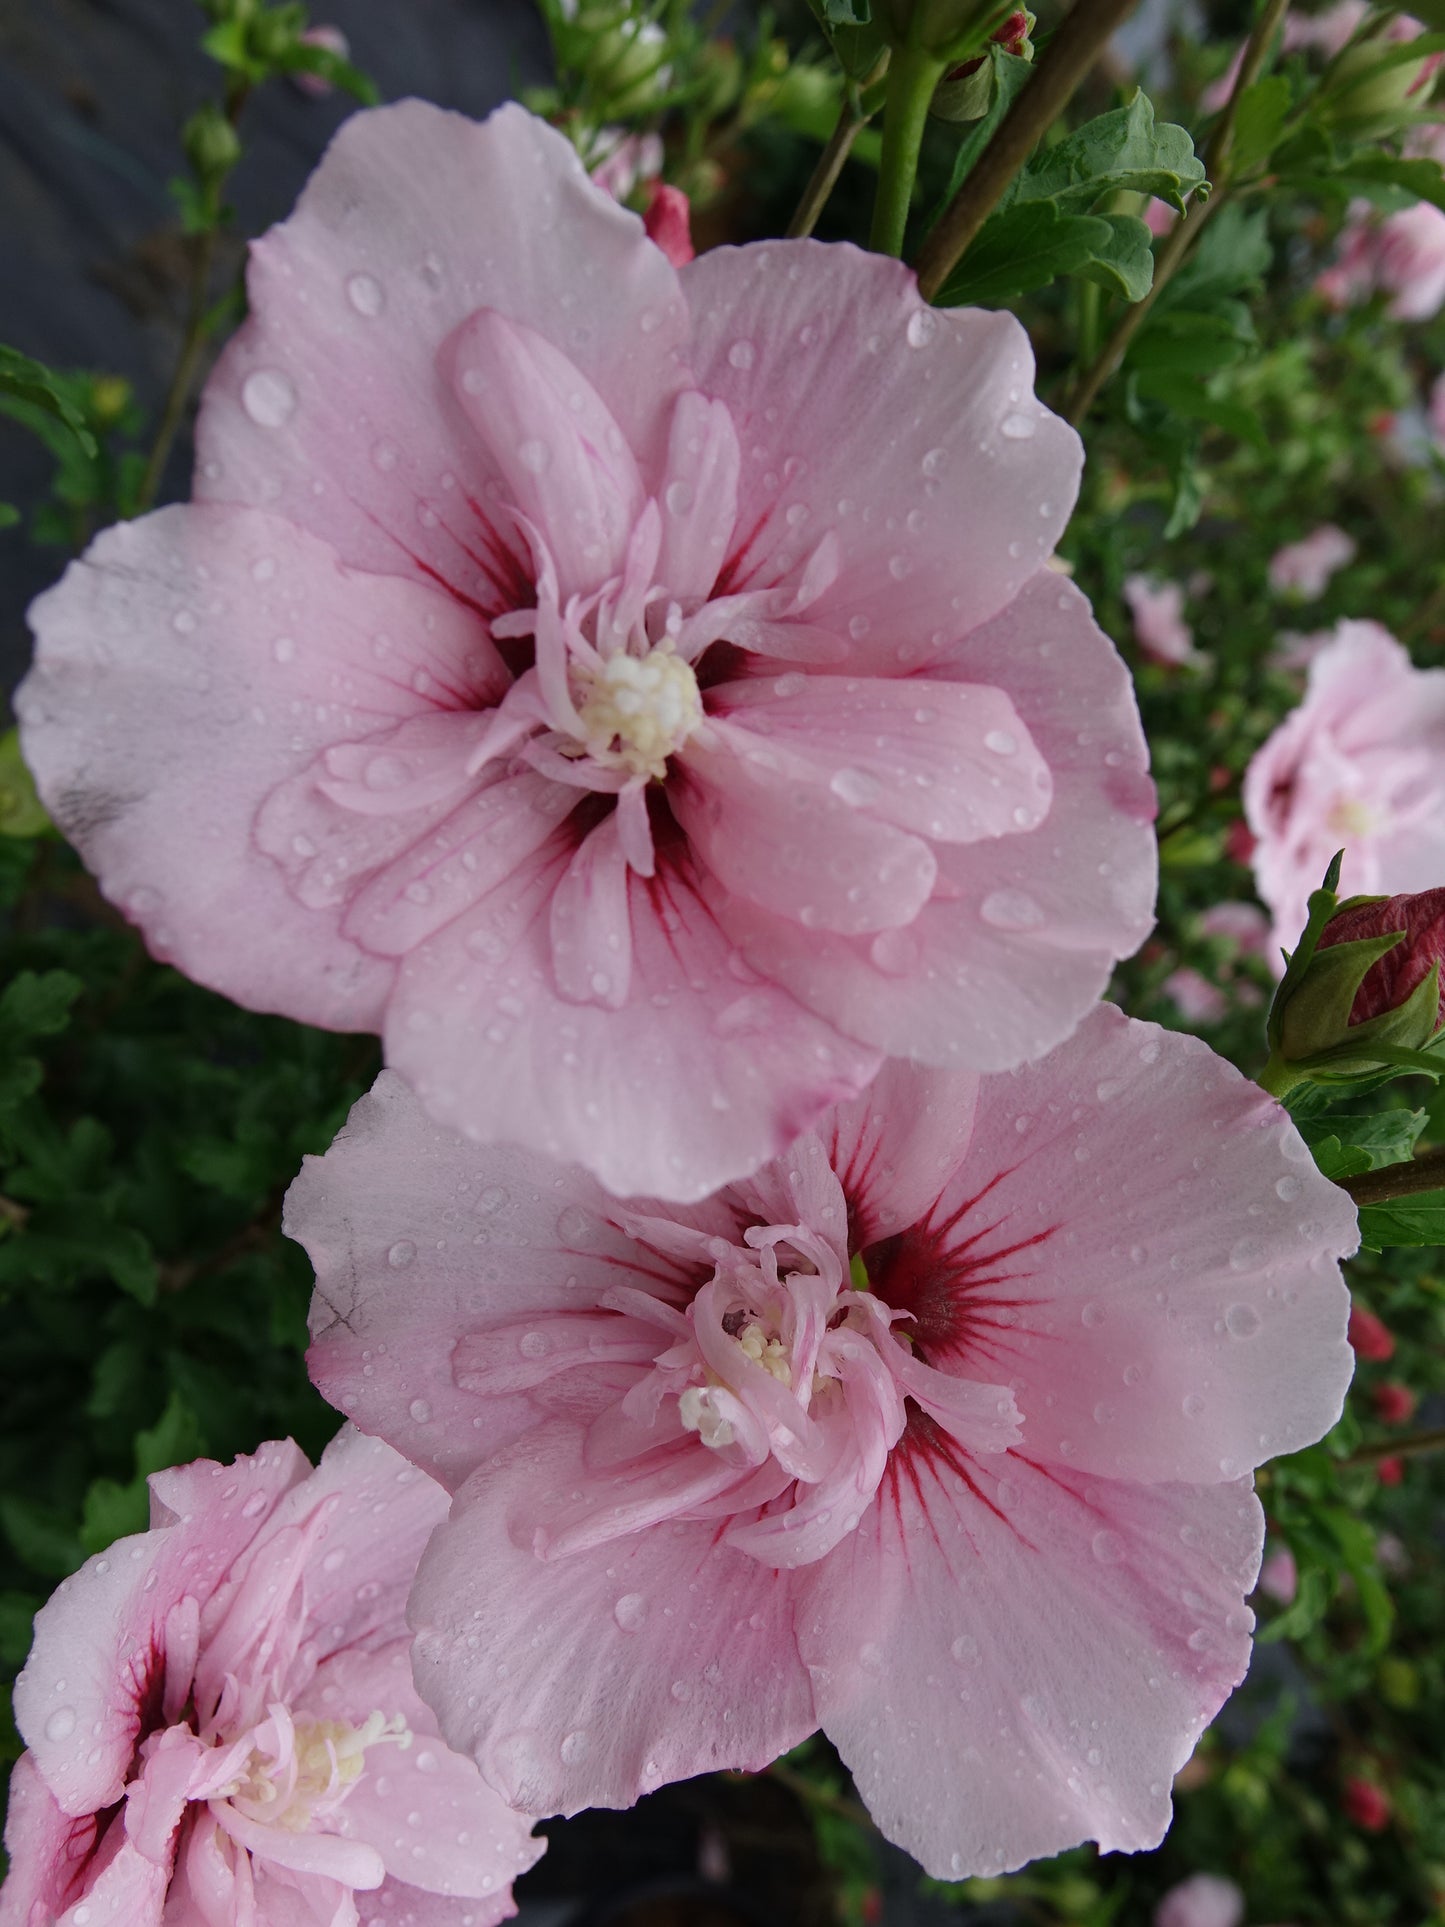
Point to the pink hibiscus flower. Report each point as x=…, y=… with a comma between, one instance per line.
x=1358, y=766
x=221, y=1725
x=1303, y=569
x=1157, y=609
x=1402, y=256
x=639, y=696
x=936, y=1433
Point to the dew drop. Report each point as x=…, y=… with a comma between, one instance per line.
x=61, y=1723
x=401, y=1254
x=1193, y=1405
x=933, y=461
x=573, y=1748
x=922, y=327
x=419, y=1410
x=1092, y=1315
x=1000, y=742
x=1288, y=1188
x=679, y=497
x=284, y=649
x=854, y=787
x=630, y=1611
x=384, y=456
x=1108, y=1548
x=184, y=623
x=1242, y=1321
x=1010, y=910
x=1018, y=428
x=269, y=397
x=532, y=1345
x=965, y=1650
x=895, y=952
x=742, y=354
x=364, y=293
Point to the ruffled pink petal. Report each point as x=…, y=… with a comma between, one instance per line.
x=48, y=1850
x=1012, y=1659
x=895, y=1147
x=1022, y=932
x=591, y=923
x=1081, y=1253
x=188, y=666
x=99, y=1646
x=323, y=1856
x=941, y=759
x=562, y=458
x=699, y=497
x=394, y=1904
x=771, y=832
x=704, y=1074
x=418, y=1240
x=328, y=405
x=427, y=1811
x=586, y=1680
x=913, y=431
x=157, y=1797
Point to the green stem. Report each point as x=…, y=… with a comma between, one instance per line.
x=1061, y=67
x=1412, y=1446
x=852, y=119
x=913, y=73
x=1423, y=1173
x=1278, y=1077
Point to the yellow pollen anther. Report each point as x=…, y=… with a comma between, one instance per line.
x=639, y=710
x=770, y=1353
x=1351, y=817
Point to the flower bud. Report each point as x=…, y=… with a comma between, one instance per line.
x=966, y=91
x=1390, y=1471
x=212, y=144
x=1366, y=1804
x=1374, y=98
x=1204, y=1900
x=1370, y=1336
x=1362, y=989
x=1394, y=1403
x=667, y=220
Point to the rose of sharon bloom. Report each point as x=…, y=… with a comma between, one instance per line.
x=1196, y=998
x=1157, y=609
x=1204, y=1900
x=935, y=1433
x=639, y=696
x=1402, y=255
x=221, y=1725
x=1392, y=978
x=1303, y=569
x=1358, y=766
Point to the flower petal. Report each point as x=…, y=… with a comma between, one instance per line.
x=607, y=1672
x=1082, y=1250
x=1012, y=1660
x=395, y=1295
x=327, y=405
x=848, y=390
x=704, y=1074
x=189, y=665
x=49, y=1851
x=1022, y=933
x=895, y=1147
x=773, y=834
x=699, y=497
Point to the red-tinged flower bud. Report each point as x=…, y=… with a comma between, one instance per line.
x=1394, y=1403
x=1390, y=1471
x=331, y=40
x=1387, y=983
x=668, y=220
x=1370, y=1336
x=1240, y=842
x=965, y=91
x=1366, y=1804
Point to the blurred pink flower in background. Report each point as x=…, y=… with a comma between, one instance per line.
x=1401, y=255
x=1359, y=765
x=1370, y=1336
x=987, y=1521
x=640, y=698
x=1157, y=610
x=221, y=1725
x=1304, y=568
x=1279, y=1576
x=623, y=161
x=1245, y=923
x=1198, y=1000
x=1204, y=1900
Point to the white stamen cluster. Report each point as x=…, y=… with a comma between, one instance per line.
x=638, y=710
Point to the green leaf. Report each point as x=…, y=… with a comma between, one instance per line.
x=1196, y=402
x=1120, y=151
x=64, y=1244
x=1127, y=267
x=9, y=515
x=33, y=1005
x=1024, y=248
x=27, y=381
x=1009, y=75
x=1258, y=120
x=1370, y=169
x=1373, y=1139
x=41, y=1536
x=1418, y=1220
x=851, y=32
x=21, y=811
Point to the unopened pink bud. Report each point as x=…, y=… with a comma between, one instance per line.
x=1367, y=1804
x=1390, y=980
x=334, y=41
x=668, y=220
x=1370, y=1336
x=1394, y=1403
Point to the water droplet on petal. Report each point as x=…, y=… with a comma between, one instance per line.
x=1108, y=1548
x=1001, y=743
x=1010, y=910
x=1242, y=1321
x=922, y=327
x=854, y=786
x=269, y=397
x=573, y=1748
x=1018, y=428
x=61, y=1723
x=401, y=1254
x=534, y=456
x=742, y=354
x=419, y=1410
x=364, y=292
x=630, y=1611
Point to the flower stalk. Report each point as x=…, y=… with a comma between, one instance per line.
x=913, y=73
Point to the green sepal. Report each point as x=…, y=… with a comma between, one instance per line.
x=1316, y=1014
x=1322, y=906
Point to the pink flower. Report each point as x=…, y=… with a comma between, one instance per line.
x=1244, y=923
x=668, y=221
x=936, y=1433
x=1395, y=1403
x=1303, y=569
x=1358, y=766
x=1402, y=255
x=1279, y=1576
x=623, y=161
x=1159, y=626
x=1204, y=1900
x=1197, y=1000
x=639, y=698
x=221, y=1723
x=1366, y=1804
